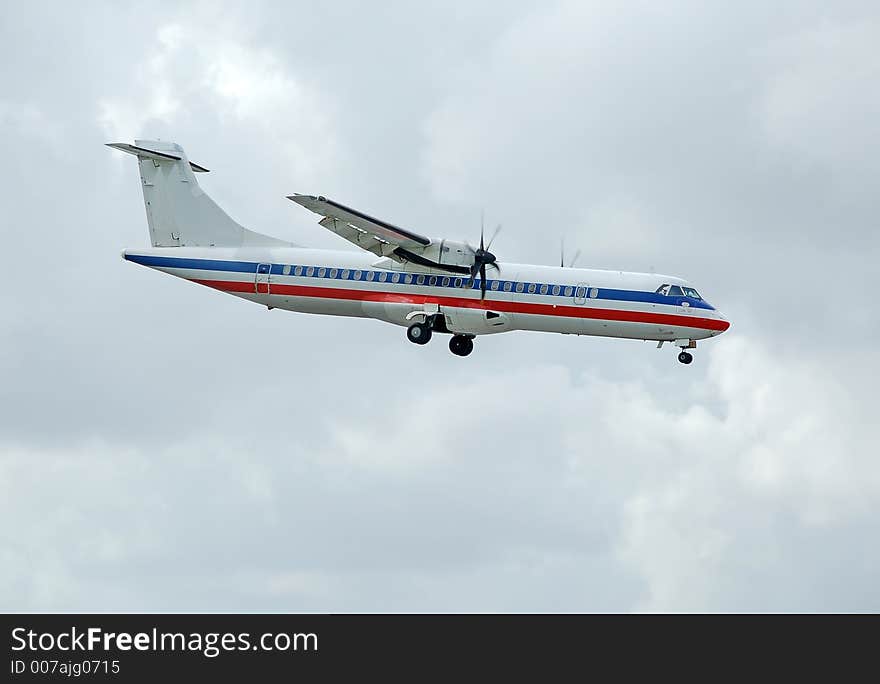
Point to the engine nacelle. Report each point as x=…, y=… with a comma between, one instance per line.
x=448, y=253
x=474, y=321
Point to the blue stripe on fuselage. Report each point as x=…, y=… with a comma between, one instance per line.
x=251, y=267
x=652, y=298
x=198, y=264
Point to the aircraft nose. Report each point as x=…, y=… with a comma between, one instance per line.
x=724, y=324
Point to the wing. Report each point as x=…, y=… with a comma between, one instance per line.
x=366, y=232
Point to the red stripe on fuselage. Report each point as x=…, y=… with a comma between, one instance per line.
x=494, y=305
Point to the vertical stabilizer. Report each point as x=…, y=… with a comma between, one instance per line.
x=179, y=212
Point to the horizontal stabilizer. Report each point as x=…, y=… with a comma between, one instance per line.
x=153, y=154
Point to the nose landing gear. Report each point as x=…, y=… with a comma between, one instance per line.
x=684, y=356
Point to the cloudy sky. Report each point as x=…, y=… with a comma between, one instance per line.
x=166, y=447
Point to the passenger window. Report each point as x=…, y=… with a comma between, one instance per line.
x=508, y=285
x=594, y=292
x=458, y=282
x=395, y=277
x=544, y=288
x=531, y=288
x=383, y=276
x=495, y=285
x=432, y=281
x=333, y=272
x=407, y=279
x=297, y=270
x=420, y=280
x=356, y=275
x=446, y=281
x=520, y=287
x=286, y=269
x=371, y=275
x=569, y=291
x=580, y=293
x=344, y=274
x=310, y=271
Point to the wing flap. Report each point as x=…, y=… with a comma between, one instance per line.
x=360, y=237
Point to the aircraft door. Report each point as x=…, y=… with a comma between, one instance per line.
x=262, y=278
x=580, y=293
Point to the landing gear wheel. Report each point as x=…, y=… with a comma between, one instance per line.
x=461, y=345
x=419, y=333
x=685, y=357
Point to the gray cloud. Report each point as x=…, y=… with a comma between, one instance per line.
x=165, y=447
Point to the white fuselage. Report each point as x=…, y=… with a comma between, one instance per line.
x=520, y=297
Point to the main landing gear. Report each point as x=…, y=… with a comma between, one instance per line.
x=461, y=345
x=685, y=357
x=421, y=333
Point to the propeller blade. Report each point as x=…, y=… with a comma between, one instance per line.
x=473, y=276
x=494, y=235
x=482, y=257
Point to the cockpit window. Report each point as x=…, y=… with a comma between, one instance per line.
x=692, y=293
x=663, y=290
x=675, y=291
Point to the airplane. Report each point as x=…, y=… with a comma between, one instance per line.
x=428, y=285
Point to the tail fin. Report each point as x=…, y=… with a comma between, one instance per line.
x=179, y=212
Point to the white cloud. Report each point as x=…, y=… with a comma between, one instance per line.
x=194, y=71
x=788, y=440
x=821, y=99
x=155, y=95
x=29, y=121
x=676, y=487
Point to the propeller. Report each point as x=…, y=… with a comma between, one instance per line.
x=562, y=255
x=482, y=258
